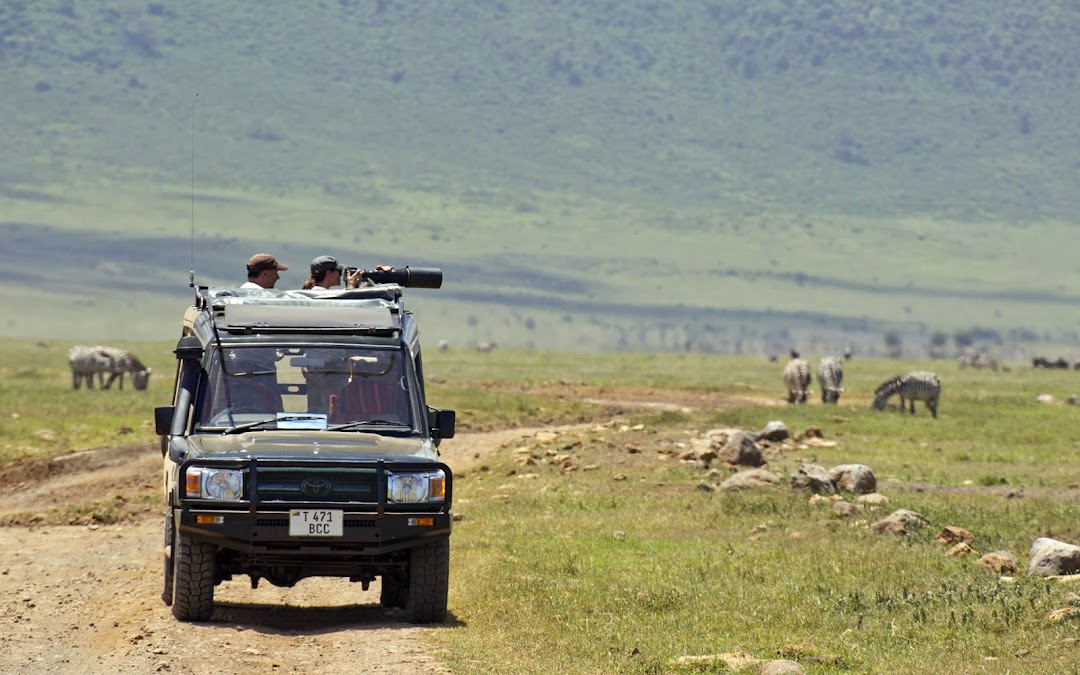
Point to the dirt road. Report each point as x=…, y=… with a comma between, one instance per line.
x=86, y=598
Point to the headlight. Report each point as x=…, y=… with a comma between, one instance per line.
x=210, y=483
x=415, y=488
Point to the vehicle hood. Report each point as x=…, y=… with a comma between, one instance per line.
x=310, y=444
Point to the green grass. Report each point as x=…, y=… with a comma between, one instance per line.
x=623, y=563
x=43, y=416
x=578, y=572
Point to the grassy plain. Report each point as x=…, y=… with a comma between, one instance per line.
x=625, y=563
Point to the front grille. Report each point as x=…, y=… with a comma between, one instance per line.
x=316, y=484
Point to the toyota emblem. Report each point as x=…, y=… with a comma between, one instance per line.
x=316, y=487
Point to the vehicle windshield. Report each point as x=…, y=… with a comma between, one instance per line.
x=336, y=387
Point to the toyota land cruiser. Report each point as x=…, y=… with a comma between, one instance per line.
x=299, y=443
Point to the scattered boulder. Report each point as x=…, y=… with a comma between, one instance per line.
x=899, y=521
x=855, y=478
x=1063, y=614
x=951, y=534
x=717, y=662
x=844, y=509
x=782, y=667
x=809, y=432
x=999, y=562
x=750, y=479
x=872, y=499
x=774, y=432
x=1049, y=557
x=815, y=478
x=963, y=548
x=741, y=450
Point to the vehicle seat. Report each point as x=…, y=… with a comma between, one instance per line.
x=369, y=399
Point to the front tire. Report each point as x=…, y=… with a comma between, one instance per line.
x=167, y=592
x=429, y=581
x=193, y=579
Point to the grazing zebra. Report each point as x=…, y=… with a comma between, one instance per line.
x=86, y=362
x=830, y=374
x=797, y=379
x=98, y=360
x=916, y=385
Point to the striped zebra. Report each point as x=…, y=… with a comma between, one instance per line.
x=797, y=379
x=916, y=385
x=830, y=374
x=86, y=362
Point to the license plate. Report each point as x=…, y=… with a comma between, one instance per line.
x=316, y=523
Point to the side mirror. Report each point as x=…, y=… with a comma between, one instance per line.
x=441, y=423
x=163, y=415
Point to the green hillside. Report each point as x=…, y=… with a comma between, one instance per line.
x=591, y=174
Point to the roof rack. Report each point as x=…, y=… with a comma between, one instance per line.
x=373, y=310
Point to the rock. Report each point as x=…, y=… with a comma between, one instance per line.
x=898, y=522
x=774, y=431
x=1049, y=557
x=856, y=478
x=844, y=509
x=782, y=667
x=872, y=499
x=951, y=535
x=741, y=450
x=998, y=562
x=814, y=478
x=750, y=479
x=1063, y=614
x=811, y=432
x=963, y=548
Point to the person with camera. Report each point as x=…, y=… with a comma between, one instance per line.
x=262, y=271
x=327, y=272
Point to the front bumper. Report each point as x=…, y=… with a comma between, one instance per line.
x=267, y=531
x=259, y=523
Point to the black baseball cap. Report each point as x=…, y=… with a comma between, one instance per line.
x=325, y=263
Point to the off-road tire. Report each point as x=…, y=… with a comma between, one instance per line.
x=394, y=592
x=193, y=579
x=167, y=592
x=429, y=581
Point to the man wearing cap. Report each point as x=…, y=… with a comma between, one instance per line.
x=262, y=271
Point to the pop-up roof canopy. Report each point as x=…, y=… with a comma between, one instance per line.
x=374, y=309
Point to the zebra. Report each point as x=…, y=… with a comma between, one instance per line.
x=915, y=385
x=797, y=378
x=974, y=359
x=86, y=362
x=830, y=374
x=99, y=360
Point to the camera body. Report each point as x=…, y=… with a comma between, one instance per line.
x=415, y=277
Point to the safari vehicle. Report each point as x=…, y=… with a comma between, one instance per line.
x=299, y=443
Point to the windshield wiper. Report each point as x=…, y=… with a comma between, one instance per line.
x=368, y=423
x=248, y=425
x=259, y=423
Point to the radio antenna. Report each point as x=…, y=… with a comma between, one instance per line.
x=191, y=273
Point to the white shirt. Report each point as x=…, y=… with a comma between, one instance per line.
x=250, y=284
